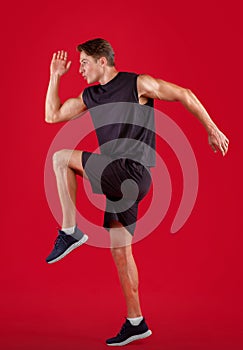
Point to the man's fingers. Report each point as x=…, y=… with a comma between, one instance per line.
x=217, y=147
x=222, y=150
x=219, y=141
x=213, y=148
x=226, y=147
x=68, y=65
x=60, y=55
x=63, y=55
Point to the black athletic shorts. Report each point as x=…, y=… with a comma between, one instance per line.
x=124, y=182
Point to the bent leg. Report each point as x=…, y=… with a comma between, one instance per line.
x=121, y=250
x=66, y=164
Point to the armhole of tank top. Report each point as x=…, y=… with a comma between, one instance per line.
x=136, y=87
x=84, y=94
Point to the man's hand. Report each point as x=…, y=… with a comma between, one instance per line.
x=218, y=141
x=55, y=111
x=59, y=64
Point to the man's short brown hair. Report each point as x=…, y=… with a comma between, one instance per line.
x=98, y=48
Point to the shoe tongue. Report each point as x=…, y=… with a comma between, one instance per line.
x=61, y=233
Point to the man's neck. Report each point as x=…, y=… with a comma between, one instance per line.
x=108, y=75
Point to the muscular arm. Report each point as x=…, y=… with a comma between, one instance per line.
x=148, y=87
x=55, y=111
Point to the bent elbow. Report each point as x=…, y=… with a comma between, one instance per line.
x=187, y=96
x=189, y=92
x=50, y=119
x=186, y=92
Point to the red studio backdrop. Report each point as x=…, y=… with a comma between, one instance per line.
x=190, y=282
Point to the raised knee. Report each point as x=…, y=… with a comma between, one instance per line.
x=60, y=159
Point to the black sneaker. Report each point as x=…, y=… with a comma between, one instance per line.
x=129, y=333
x=64, y=244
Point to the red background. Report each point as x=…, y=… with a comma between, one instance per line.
x=191, y=282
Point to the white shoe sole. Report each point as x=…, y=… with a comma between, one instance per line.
x=133, y=338
x=70, y=249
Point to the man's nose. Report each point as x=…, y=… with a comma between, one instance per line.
x=80, y=69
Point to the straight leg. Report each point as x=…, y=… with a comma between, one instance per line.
x=121, y=250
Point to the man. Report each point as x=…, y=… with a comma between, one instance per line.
x=119, y=161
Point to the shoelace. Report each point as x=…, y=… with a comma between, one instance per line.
x=60, y=240
x=123, y=329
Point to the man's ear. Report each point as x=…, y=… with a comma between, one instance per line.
x=103, y=61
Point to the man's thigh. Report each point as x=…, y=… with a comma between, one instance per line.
x=119, y=236
x=75, y=162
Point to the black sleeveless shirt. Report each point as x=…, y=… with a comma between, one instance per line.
x=124, y=128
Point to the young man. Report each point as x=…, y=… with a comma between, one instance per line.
x=119, y=161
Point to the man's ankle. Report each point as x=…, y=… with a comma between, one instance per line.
x=68, y=230
x=135, y=320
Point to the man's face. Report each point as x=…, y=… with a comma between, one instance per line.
x=90, y=68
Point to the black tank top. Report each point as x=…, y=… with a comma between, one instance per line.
x=124, y=128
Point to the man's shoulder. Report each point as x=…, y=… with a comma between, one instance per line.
x=127, y=77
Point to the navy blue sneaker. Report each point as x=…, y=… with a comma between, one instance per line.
x=129, y=333
x=64, y=244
